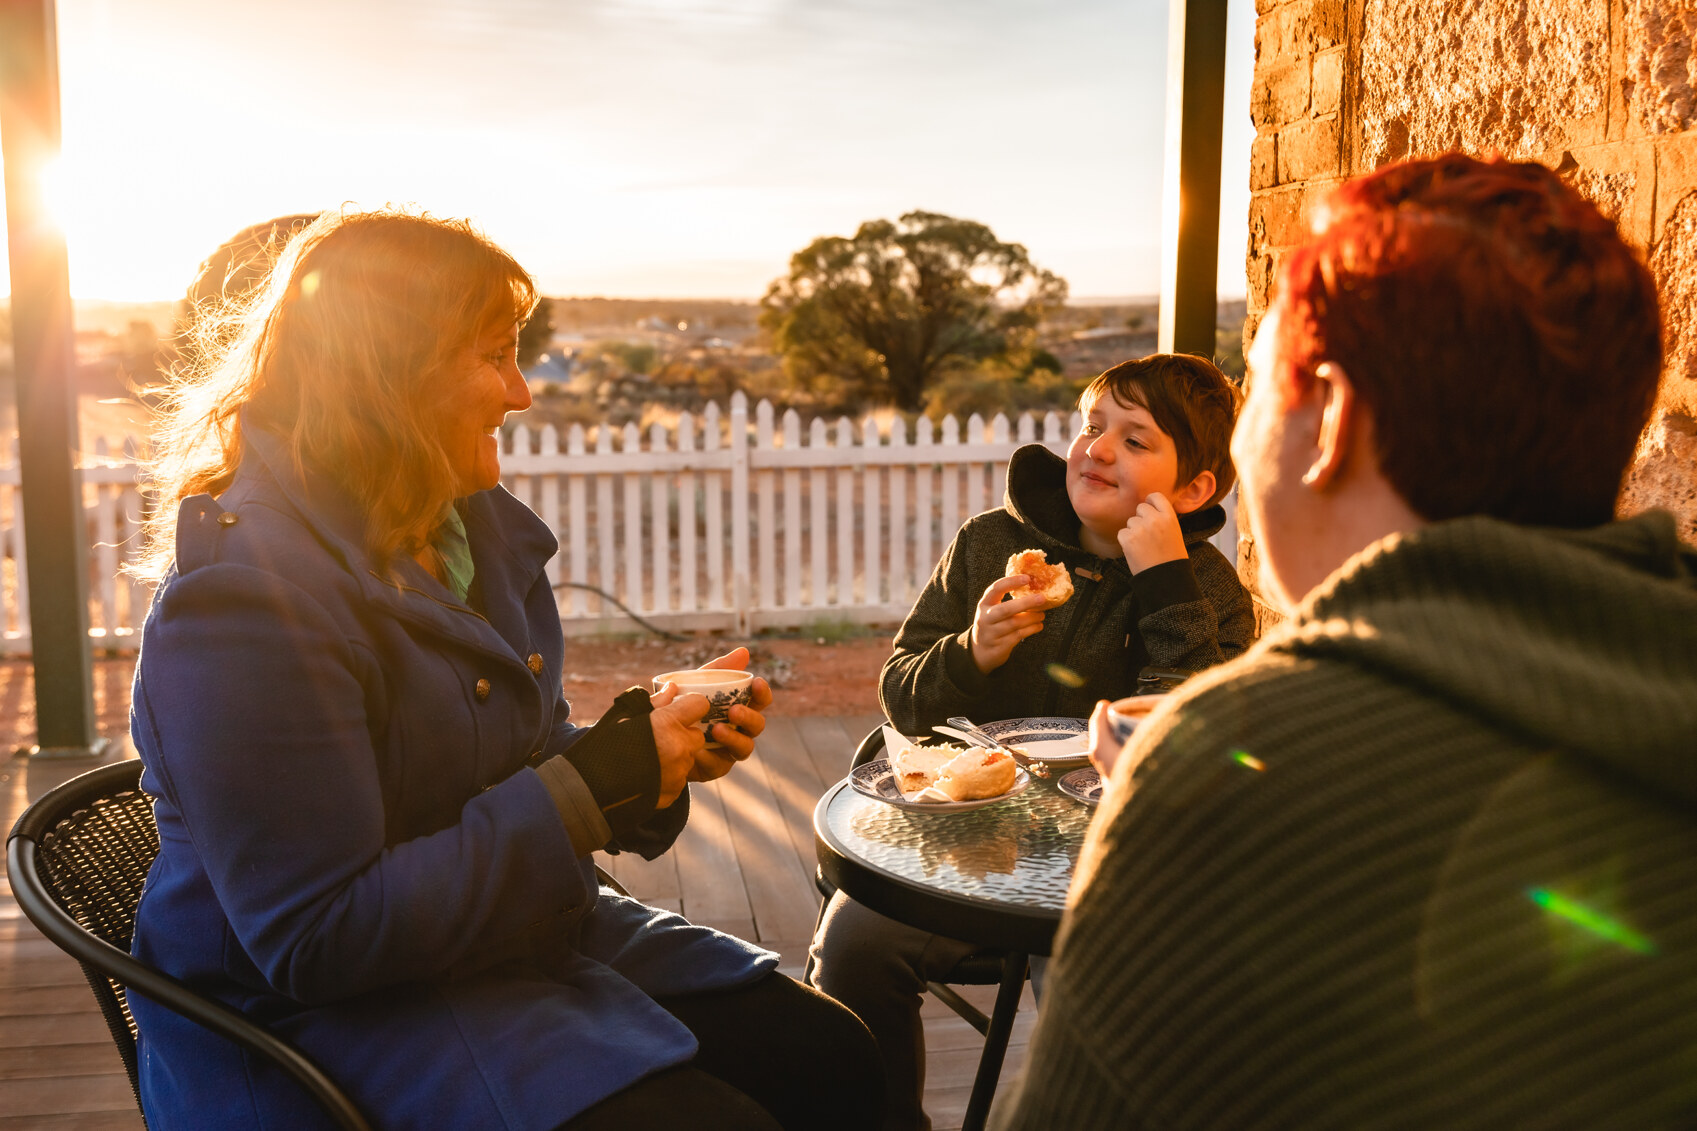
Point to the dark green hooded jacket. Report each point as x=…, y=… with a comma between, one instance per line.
x=1425, y=857
x=1185, y=614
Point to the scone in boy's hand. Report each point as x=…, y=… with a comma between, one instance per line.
x=999, y=625
x=1152, y=535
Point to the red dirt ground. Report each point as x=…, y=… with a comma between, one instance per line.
x=836, y=677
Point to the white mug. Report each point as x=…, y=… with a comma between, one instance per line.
x=1125, y=714
x=724, y=688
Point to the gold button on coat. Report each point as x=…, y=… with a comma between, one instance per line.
x=482, y=690
x=228, y=518
x=534, y=663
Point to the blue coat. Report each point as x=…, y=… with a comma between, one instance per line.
x=352, y=847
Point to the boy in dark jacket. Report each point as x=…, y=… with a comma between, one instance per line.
x=1128, y=513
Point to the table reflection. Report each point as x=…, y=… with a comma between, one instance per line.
x=1020, y=851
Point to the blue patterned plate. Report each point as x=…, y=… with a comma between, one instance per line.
x=875, y=780
x=1084, y=785
x=1057, y=742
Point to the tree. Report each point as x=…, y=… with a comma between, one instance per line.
x=535, y=334
x=885, y=314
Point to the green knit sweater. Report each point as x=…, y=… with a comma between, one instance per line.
x=1185, y=614
x=1426, y=856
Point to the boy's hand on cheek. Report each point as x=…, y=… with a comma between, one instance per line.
x=999, y=625
x=1152, y=535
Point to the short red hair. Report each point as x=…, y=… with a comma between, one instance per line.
x=1504, y=338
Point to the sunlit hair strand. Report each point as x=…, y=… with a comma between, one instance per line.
x=347, y=353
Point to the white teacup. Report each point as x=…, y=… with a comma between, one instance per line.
x=1125, y=714
x=724, y=688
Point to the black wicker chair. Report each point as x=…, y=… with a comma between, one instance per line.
x=1005, y=969
x=77, y=859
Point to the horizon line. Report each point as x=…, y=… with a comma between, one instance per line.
x=1073, y=300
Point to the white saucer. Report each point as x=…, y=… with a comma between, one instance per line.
x=1057, y=742
x=875, y=780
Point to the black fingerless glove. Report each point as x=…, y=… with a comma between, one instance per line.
x=618, y=761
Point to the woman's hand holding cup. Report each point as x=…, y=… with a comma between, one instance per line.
x=677, y=738
x=732, y=737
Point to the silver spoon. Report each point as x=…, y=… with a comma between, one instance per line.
x=962, y=727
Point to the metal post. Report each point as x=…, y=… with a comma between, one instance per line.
x=44, y=363
x=1190, y=197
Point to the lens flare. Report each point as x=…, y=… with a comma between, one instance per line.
x=54, y=192
x=1245, y=758
x=1064, y=675
x=1591, y=920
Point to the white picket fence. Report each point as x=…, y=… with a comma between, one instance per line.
x=112, y=511
x=708, y=525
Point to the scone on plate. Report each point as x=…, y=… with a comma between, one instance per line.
x=1050, y=580
x=916, y=767
x=952, y=773
x=977, y=773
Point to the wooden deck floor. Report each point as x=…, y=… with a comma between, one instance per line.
x=744, y=865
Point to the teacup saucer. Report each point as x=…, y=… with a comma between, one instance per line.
x=1082, y=785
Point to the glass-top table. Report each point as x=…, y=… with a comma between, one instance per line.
x=997, y=876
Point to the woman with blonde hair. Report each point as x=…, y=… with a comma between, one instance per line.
x=376, y=821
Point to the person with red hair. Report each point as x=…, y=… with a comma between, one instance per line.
x=1424, y=855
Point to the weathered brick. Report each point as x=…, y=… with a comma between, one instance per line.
x=1661, y=471
x=1310, y=149
x=1270, y=35
x=1619, y=179
x=1261, y=268
x=1263, y=161
x=1279, y=218
x=1281, y=94
x=1673, y=262
x=1328, y=24
x=1326, y=87
x=1298, y=30
x=1660, y=36
x=1676, y=176
x=1522, y=78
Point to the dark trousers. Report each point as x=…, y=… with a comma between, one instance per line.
x=774, y=1054
x=878, y=968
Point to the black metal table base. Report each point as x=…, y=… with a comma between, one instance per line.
x=1014, y=969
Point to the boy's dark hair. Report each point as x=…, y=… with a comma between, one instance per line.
x=1191, y=401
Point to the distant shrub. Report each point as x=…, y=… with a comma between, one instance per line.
x=638, y=357
x=963, y=394
x=1036, y=386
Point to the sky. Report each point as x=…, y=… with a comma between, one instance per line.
x=634, y=148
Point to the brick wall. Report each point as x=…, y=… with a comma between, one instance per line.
x=1600, y=90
